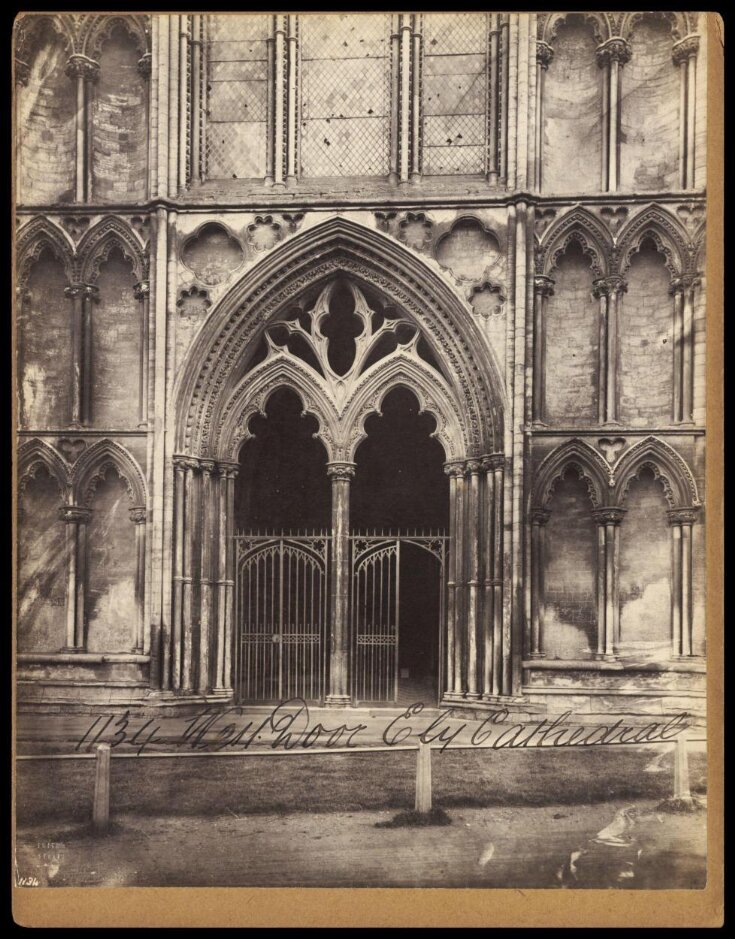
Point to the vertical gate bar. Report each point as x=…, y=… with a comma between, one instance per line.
x=397, y=619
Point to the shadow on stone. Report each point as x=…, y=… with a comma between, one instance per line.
x=680, y=805
x=416, y=819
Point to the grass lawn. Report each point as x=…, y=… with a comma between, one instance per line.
x=62, y=790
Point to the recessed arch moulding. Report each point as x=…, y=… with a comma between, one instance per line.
x=218, y=391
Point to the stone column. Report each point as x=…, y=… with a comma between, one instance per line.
x=292, y=103
x=225, y=505
x=395, y=95
x=473, y=522
x=544, y=56
x=191, y=511
x=172, y=656
x=278, y=107
x=612, y=56
x=196, y=97
x=142, y=292
x=82, y=71
x=208, y=511
x=608, y=290
x=138, y=516
x=22, y=75
x=454, y=470
x=492, y=132
x=90, y=296
x=684, y=55
x=681, y=521
x=543, y=288
x=75, y=292
x=76, y=519
x=416, y=65
x=404, y=119
x=492, y=607
x=539, y=518
x=184, y=103
x=504, y=95
x=608, y=519
x=340, y=473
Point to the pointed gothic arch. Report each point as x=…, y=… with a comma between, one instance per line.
x=97, y=243
x=339, y=246
x=669, y=468
x=33, y=239
x=582, y=226
x=93, y=465
x=664, y=230
x=590, y=465
x=97, y=29
x=36, y=453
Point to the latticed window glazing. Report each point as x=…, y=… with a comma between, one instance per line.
x=454, y=93
x=345, y=112
x=236, y=95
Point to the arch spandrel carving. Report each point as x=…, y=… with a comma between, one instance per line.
x=582, y=226
x=667, y=233
x=338, y=248
x=587, y=461
x=97, y=243
x=35, y=454
x=37, y=236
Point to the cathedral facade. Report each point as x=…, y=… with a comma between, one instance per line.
x=360, y=358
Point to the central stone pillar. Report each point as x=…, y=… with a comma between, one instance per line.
x=340, y=474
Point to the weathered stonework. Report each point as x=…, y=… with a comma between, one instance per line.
x=523, y=192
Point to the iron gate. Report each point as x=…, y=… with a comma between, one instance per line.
x=282, y=608
x=375, y=609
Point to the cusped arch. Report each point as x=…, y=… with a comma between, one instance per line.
x=404, y=369
x=668, y=467
x=252, y=393
x=96, y=30
x=36, y=453
x=599, y=22
x=96, y=245
x=335, y=247
x=660, y=226
x=30, y=26
x=575, y=454
x=93, y=466
x=676, y=20
x=578, y=225
x=33, y=239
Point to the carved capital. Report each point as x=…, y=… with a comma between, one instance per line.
x=22, y=294
x=540, y=516
x=227, y=469
x=76, y=290
x=493, y=461
x=609, y=286
x=137, y=514
x=684, y=283
x=685, y=49
x=141, y=290
x=455, y=468
x=473, y=467
x=614, y=50
x=72, y=514
x=209, y=467
x=543, y=286
x=544, y=54
x=609, y=515
x=685, y=516
x=80, y=66
x=340, y=470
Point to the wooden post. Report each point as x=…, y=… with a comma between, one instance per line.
x=101, y=807
x=423, y=778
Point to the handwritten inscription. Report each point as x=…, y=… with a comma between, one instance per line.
x=290, y=726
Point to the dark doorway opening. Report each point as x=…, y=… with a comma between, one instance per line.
x=400, y=487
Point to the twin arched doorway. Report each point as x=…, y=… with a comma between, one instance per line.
x=346, y=488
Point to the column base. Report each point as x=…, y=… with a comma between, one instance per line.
x=72, y=649
x=473, y=696
x=607, y=657
x=537, y=655
x=338, y=701
x=453, y=696
x=220, y=693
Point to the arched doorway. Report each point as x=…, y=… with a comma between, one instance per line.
x=400, y=517
x=343, y=317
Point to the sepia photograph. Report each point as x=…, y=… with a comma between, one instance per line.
x=362, y=374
